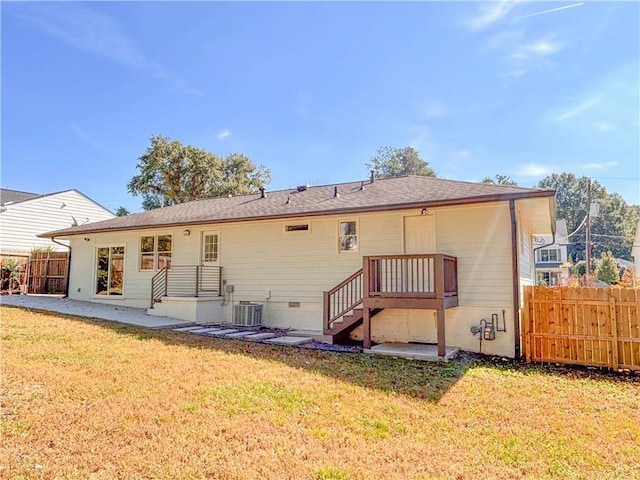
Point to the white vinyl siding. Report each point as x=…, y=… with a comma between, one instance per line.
x=21, y=223
x=266, y=264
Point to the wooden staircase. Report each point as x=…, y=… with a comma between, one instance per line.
x=427, y=281
x=341, y=328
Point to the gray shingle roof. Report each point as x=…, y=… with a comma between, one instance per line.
x=14, y=196
x=383, y=194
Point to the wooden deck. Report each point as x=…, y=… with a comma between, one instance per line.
x=426, y=281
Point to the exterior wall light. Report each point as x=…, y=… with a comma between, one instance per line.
x=187, y=232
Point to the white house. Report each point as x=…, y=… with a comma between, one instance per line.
x=635, y=250
x=23, y=216
x=410, y=259
x=551, y=260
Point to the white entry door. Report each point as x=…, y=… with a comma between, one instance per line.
x=211, y=248
x=420, y=237
x=420, y=234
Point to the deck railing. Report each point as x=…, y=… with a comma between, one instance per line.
x=411, y=277
x=186, y=281
x=342, y=299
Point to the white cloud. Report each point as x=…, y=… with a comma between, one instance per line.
x=533, y=170
x=600, y=166
x=604, y=126
x=579, y=109
x=551, y=10
x=223, y=134
x=541, y=48
x=88, y=30
x=490, y=13
x=92, y=31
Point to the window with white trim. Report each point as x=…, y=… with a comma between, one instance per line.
x=348, y=236
x=155, y=252
x=549, y=255
x=548, y=278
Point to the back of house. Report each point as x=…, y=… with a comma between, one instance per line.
x=384, y=260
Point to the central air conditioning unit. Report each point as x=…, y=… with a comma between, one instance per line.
x=247, y=314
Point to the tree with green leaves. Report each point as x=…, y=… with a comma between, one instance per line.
x=611, y=230
x=500, y=180
x=122, y=211
x=607, y=269
x=172, y=173
x=398, y=162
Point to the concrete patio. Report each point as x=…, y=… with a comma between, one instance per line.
x=139, y=317
x=413, y=351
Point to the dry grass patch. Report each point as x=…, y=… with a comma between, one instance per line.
x=89, y=399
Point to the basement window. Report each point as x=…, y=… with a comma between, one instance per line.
x=301, y=227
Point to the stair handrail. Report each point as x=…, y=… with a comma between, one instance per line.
x=159, y=285
x=344, y=302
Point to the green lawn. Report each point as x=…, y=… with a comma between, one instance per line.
x=83, y=398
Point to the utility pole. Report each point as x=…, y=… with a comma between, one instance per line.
x=588, y=246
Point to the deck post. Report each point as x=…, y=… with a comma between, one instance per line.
x=366, y=329
x=442, y=351
x=326, y=315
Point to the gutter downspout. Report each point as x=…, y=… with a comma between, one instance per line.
x=516, y=268
x=515, y=278
x=66, y=287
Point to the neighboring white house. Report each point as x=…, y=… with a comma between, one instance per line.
x=635, y=250
x=410, y=259
x=551, y=256
x=23, y=216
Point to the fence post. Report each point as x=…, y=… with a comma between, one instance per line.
x=46, y=274
x=614, y=332
x=529, y=320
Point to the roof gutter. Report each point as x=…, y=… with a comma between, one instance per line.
x=516, y=266
x=66, y=287
x=336, y=211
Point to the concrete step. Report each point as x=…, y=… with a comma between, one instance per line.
x=257, y=337
x=222, y=333
x=288, y=340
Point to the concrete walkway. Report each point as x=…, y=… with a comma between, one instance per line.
x=138, y=316
x=55, y=303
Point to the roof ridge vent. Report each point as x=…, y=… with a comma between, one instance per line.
x=302, y=188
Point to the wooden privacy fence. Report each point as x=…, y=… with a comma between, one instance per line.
x=48, y=272
x=583, y=326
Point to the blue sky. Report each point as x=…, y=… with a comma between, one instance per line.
x=312, y=90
